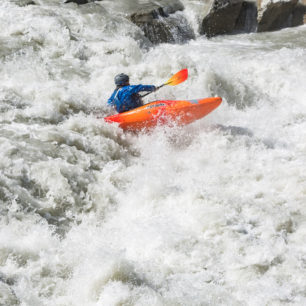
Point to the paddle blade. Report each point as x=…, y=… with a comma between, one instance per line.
x=178, y=78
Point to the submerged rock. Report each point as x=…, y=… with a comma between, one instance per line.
x=221, y=18
x=24, y=2
x=79, y=2
x=159, y=23
x=274, y=15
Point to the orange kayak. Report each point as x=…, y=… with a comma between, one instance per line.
x=165, y=112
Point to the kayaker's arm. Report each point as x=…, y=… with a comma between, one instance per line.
x=111, y=100
x=139, y=88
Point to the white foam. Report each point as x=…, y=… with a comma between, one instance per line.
x=212, y=213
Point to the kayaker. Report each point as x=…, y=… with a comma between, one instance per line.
x=126, y=97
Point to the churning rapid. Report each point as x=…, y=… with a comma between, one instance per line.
x=208, y=214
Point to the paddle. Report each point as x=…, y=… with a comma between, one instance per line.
x=176, y=79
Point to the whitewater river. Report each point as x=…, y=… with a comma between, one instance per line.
x=213, y=213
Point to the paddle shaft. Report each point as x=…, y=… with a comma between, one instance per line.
x=176, y=79
x=158, y=87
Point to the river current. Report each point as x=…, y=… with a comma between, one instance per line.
x=213, y=213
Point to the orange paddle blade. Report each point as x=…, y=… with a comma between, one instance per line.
x=178, y=78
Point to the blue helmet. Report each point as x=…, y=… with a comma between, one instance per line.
x=122, y=79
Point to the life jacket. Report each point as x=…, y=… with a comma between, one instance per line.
x=127, y=97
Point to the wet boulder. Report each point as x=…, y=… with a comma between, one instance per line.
x=275, y=15
x=161, y=23
x=270, y=15
x=221, y=18
x=247, y=19
x=299, y=14
x=234, y=16
x=79, y=2
x=24, y=2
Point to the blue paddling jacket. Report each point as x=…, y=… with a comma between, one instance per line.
x=126, y=97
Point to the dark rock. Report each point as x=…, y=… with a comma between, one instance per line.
x=221, y=18
x=24, y=2
x=79, y=2
x=160, y=25
x=275, y=15
x=234, y=16
x=298, y=15
x=247, y=19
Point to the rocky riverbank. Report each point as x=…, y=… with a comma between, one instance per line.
x=163, y=21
